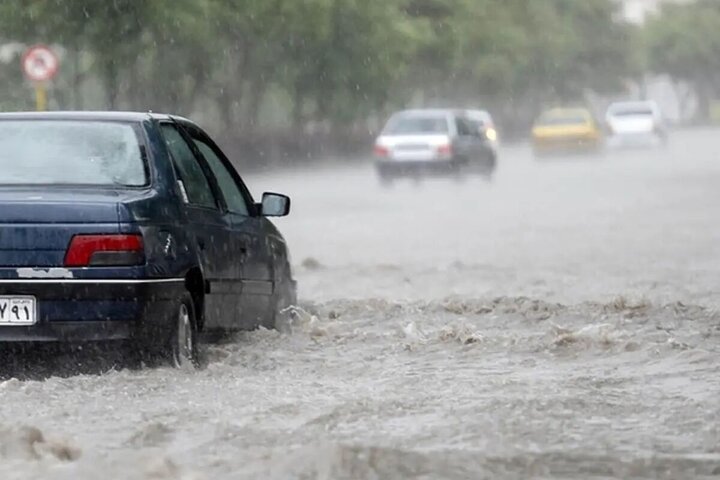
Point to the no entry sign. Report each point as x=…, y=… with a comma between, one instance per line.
x=40, y=64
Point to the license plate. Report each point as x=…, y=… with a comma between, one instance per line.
x=17, y=311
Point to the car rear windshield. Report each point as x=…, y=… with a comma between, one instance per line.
x=412, y=124
x=562, y=119
x=55, y=152
x=631, y=112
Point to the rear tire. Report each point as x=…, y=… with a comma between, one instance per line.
x=386, y=180
x=487, y=166
x=182, y=346
x=385, y=174
x=458, y=169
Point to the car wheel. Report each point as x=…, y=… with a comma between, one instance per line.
x=386, y=180
x=282, y=314
x=493, y=161
x=486, y=166
x=458, y=173
x=183, y=339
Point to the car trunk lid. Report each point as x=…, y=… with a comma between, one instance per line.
x=36, y=226
x=413, y=147
x=630, y=124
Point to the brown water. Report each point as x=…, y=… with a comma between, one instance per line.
x=559, y=322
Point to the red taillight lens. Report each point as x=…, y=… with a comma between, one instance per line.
x=444, y=150
x=105, y=250
x=380, y=151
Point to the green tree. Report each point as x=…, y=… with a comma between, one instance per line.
x=336, y=62
x=684, y=41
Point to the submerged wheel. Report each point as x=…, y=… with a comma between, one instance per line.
x=282, y=313
x=386, y=180
x=458, y=172
x=183, y=348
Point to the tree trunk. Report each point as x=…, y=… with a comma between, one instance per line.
x=110, y=80
x=257, y=90
x=77, y=77
x=298, y=108
x=704, y=96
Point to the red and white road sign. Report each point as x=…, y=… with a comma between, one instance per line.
x=40, y=63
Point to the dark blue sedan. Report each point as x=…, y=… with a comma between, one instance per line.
x=132, y=226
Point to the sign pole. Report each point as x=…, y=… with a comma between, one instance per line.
x=40, y=97
x=40, y=65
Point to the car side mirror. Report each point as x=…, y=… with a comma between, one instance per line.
x=274, y=205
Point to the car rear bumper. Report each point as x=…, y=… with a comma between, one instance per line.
x=565, y=145
x=635, y=140
x=86, y=331
x=93, y=310
x=415, y=167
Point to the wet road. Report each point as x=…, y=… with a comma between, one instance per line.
x=559, y=322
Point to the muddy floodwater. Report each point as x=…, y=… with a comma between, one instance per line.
x=560, y=321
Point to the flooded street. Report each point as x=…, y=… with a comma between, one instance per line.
x=560, y=321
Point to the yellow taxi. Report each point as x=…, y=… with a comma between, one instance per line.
x=566, y=130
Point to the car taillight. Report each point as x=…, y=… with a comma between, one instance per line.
x=444, y=151
x=380, y=151
x=105, y=250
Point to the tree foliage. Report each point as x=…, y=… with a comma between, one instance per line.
x=337, y=62
x=684, y=42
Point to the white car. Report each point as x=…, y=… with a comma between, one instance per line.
x=417, y=143
x=635, y=124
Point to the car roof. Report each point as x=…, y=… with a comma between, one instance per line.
x=633, y=104
x=475, y=113
x=425, y=111
x=85, y=115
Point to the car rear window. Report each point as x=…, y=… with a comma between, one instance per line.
x=50, y=152
x=409, y=125
x=631, y=112
x=562, y=119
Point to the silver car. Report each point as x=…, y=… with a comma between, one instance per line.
x=484, y=122
x=416, y=143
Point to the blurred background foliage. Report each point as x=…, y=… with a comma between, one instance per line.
x=290, y=69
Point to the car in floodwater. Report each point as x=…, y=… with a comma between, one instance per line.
x=566, y=130
x=135, y=227
x=635, y=124
x=417, y=143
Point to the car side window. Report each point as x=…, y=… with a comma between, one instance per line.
x=476, y=125
x=463, y=127
x=195, y=182
x=233, y=196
